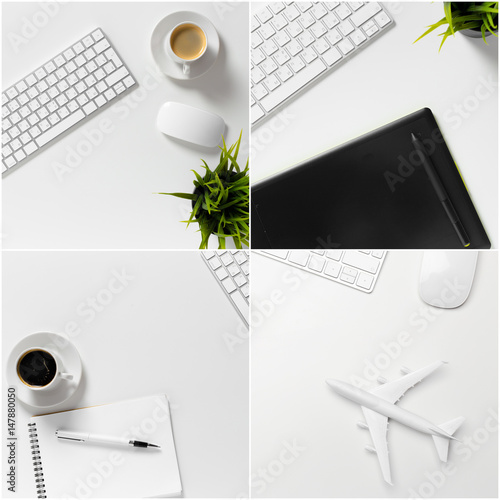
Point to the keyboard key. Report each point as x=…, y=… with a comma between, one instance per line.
x=221, y=272
x=59, y=128
x=331, y=21
x=97, y=35
x=267, y=31
x=334, y=254
x=276, y=7
x=12, y=92
x=349, y=272
x=281, y=57
x=306, y=38
x=256, y=40
x=264, y=15
x=347, y=278
x=29, y=148
x=294, y=48
x=89, y=108
x=342, y=11
x=364, y=13
x=333, y=268
x=271, y=82
x=256, y=113
x=318, y=29
x=113, y=57
x=259, y=91
x=316, y=263
x=306, y=20
x=370, y=28
x=20, y=155
x=115, y=77
x=214, y=262
x=240, y=303
x=281, y=254
x=297, y=64
x=382, y=19
x=294, y=29
x=345, y=28
x=229, y=285
x=279, y=22
x=358, y=37
x=240, y=257
x=257, y=75
x=240, y=280
x=309, y=55
x=291, y=13
x=333, y=37
x=321, y=46
x=319, y=11
x=284, y=73
x=288, y=88
x=281, y=38
x=345, y=46
x=299, y=257
x=365, y=281
x=332, y=56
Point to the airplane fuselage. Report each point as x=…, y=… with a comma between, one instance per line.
x=379, y=405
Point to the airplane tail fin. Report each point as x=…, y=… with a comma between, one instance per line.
x=442, y=443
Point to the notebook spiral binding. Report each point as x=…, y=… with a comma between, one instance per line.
x=37, y=461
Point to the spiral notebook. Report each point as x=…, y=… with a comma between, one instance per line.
x=65, y=469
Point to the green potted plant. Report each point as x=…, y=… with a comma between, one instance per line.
x=220, y=200
x=474, y=19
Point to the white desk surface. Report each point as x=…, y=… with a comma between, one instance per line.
x=107, y=201
x=389, y=79
x=154, y=337
x=323, y=330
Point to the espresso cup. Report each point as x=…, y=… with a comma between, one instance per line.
x=186, y=43
x=40, y=369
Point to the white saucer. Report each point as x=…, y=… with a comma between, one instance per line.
x=71, y=362
x=173, y=69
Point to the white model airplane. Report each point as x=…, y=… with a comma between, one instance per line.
x=379, y=405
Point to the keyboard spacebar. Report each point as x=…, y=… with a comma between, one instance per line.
x=240, y=303
x=59, y=128
x=285, y=90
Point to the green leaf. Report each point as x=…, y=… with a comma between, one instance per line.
x=448, y=14
x=186, y=196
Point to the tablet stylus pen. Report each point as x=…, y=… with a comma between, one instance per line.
x=440, y=191
x=83, y=437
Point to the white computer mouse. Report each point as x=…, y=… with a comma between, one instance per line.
x=446, y=277
x=190, y=124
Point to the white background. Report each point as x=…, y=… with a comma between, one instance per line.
x=318, y=329
x=391, y=78
x=162, y=334
x=107, y=201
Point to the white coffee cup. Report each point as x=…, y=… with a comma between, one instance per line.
x=41, y=364
x=186, y=43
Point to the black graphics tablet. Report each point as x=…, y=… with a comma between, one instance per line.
x=370, y=193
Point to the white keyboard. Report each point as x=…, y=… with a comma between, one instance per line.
x=357, y=269
x=293, y=43
x=58, y=95
x=231, y=269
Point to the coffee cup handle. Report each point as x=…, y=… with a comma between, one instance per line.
x=186, y=68
x=66, y=376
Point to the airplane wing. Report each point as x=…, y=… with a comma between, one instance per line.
x=393, y=391
x=378, y=425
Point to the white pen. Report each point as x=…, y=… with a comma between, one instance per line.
x=83, y=437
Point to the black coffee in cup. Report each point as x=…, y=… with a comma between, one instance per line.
x=37, y=368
